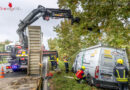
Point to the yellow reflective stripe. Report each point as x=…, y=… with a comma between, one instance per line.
x=21, y=55
x=124, y=74
x=23, y=52
x=118, y=73
x=57, y=59
x=122, y=79
x=18, y=55
x=51, y=60
x=65, y=61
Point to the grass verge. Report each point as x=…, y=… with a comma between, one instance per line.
x=60, y=82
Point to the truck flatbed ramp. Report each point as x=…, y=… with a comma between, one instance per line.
x=35, y=50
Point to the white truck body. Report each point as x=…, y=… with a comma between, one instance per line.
x=99, y=61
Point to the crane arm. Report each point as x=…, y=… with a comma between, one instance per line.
x=35, y=15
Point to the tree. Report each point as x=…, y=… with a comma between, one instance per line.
x=102, y=21
x=7, y=41
x=2, y=45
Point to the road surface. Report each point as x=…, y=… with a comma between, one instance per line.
x=18, y=81
x=13, y=80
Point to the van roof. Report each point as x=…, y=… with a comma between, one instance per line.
x=100, y=45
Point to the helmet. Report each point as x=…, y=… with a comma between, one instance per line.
x=83, y=67
x=120, y=61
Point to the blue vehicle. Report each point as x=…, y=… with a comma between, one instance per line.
x=19, y=57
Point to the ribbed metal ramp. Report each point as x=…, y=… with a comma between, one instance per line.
x=34, y=50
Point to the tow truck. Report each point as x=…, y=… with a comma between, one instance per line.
x=32, y=43
x=34, y=15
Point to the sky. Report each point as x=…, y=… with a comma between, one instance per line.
x=9, y=20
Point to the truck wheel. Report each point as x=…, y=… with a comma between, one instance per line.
x=14, y=70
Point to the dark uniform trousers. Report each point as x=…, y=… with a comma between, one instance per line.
x=66, y=65
x=121, y=73
x=123, y=86
x=52, y=64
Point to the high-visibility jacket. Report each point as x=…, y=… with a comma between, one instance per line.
x=52, y=58
x=121, y=73
x=65, y=61
x=80, y=74
x=57, y=60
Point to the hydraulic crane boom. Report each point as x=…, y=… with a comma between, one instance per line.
x=35, y=15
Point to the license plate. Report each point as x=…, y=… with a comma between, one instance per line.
x=106, y=76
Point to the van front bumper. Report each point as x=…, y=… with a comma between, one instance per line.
x=104, y=84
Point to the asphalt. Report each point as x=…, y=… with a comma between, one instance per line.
x=15, y=74
x=11, y=75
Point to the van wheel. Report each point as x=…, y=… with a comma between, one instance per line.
x=90, y=80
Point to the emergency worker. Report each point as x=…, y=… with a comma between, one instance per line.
x=121, y=73
x=55, y=61
x=52, y=59
x=80, y=75
x=66, y=64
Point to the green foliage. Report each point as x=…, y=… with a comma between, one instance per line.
x=2, y=62
x=2, y=45
x=52, y=44
x=7, y=41
x=108, y=16
x=60, y=82
x=111, y=17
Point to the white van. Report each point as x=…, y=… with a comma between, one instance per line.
x=99, y=61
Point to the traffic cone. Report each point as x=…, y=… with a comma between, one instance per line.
x=2, y=72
